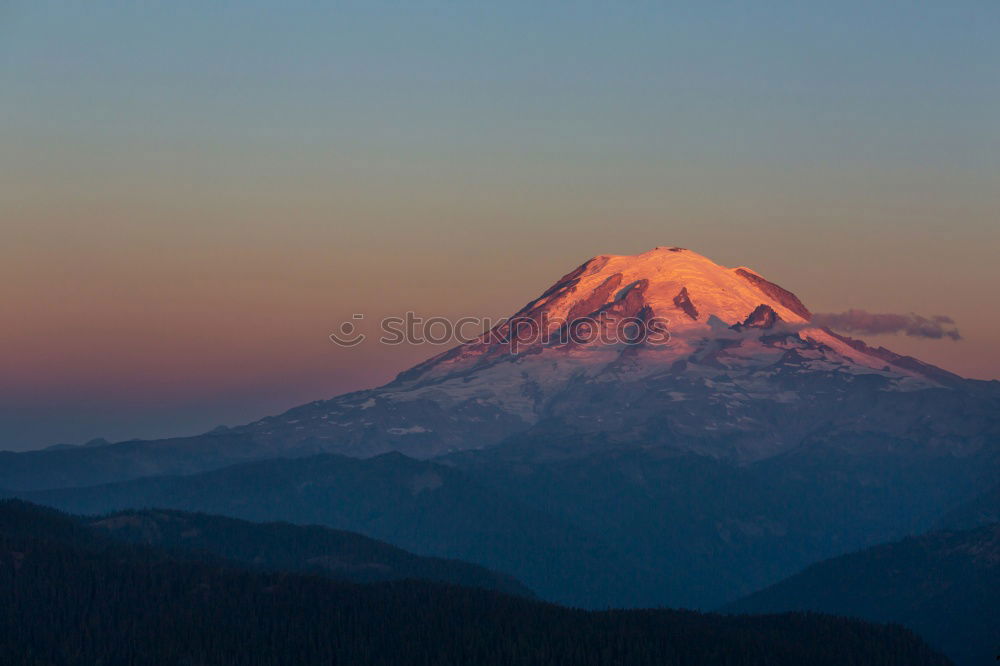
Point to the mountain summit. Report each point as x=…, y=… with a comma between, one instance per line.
x=729, y=365
x=686, y=296
x=696, y=300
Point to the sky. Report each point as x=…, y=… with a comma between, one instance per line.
x=194, y=195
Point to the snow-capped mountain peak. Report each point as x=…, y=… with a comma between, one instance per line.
x=726, y=355
x=695, y=300
x=669, y=278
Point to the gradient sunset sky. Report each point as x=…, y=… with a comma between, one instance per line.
x=193, y=195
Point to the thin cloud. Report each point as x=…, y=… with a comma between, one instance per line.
x=934, y=327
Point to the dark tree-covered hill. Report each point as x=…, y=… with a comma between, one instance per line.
x=286, y=547
x=70, y=595
x=943, y=585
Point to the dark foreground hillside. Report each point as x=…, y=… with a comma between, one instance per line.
x=294, y=548
x=943, y=585
x=70, y=596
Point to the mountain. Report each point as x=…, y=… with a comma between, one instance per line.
x=653, y=429
x=943, y=585
x=70, y=595
x=665, y=347
x=286, y=547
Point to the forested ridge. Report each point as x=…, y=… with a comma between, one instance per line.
x=70, y=596
x=944, y=585
x=282, y=546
